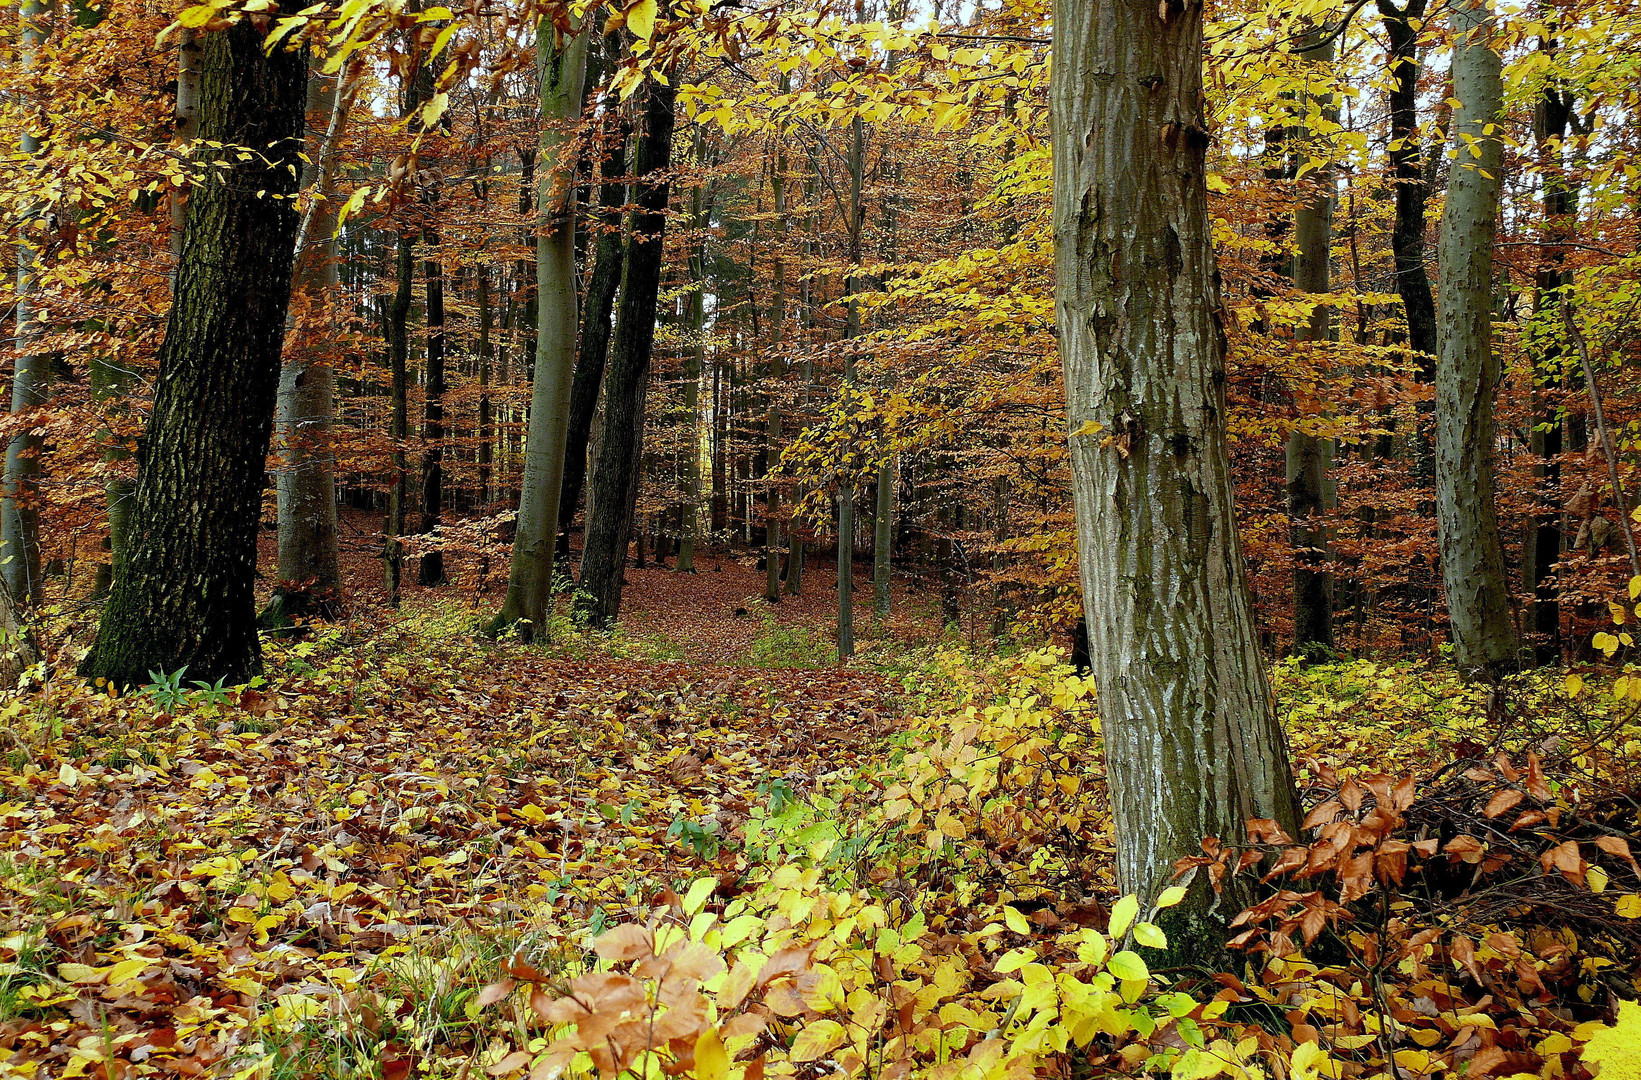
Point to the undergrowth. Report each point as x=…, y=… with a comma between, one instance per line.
x=410, y=853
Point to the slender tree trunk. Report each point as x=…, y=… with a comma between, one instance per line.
x=846, y=494
x=484, y=455
x=615, y=482
x=609, y=252
x=183, y=592
x=398, y=355
x=1468, y=370
x=1407, y=232
x=694, y=355
x=1542, y=548
x=1193, y=745
x=1309, y=458
x=430, y=572
x=563, y=66
x=31, y=377
x=883, y=537
x=310, y=579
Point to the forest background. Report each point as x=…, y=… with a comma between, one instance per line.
x=837, y=226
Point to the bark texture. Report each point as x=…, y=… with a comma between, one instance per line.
x=1193, y=746
x=310, y=579
x=615, y=481
x=562, y=65
x=609, y=254
x=182, y=594
x=1468, y=370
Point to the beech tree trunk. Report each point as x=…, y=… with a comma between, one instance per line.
x=31, y=378
x=562, y=64
x=1468, y=370
x=398, y=358
x=1309, y=459
x=615, y=481
x=1407, y=233
x=609, y=254
x=430, y=570
x=694, y=358
x=1193, y=746
x=183, y=591
x=883, y=538
x=310, y=579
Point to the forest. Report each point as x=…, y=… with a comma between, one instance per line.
x=888, y=539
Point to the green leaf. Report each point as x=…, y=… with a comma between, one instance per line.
x=1150, y=935
x=698, y=895
x=1170, y=896
x=1128, y=966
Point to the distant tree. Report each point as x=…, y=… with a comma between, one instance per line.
x=183, y=588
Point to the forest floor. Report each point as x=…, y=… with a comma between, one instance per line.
x=391, y=855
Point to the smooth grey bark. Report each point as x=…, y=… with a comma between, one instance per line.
x=183, y=592
x=1468, y=369
x=310, y=579
x=883, y=524
x=562, y=67
x=1193, y=746
x=31, y=379
x=694, y=358
x=846, y=493
x=1309, y=459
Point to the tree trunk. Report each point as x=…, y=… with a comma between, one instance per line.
x=846, y=496
x=1309, y=458
x=694, y=355
x=883, y=537
x=1407, y=232
x=31, y=377
x=615, y=481
x=1193, y=746
x=310, y=579
x=183, y=592
x=608, y=255
x=1468, y=370
x=563, y=66
x=431, y=569
x=398, y=358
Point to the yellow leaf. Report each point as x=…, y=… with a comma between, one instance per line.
x=1123, y=915
x=1574, y=684
x=1016, y=921
x=1629, y=906
x=817, y=1040
x=1150, y=935
x=1171, y=896
x=698, y=895
x=1128, y=966
x=711, y=1059
x=1617, y=1049
x=79, y=973
x=126, y=970
x=641, y=19
x=1597, y=879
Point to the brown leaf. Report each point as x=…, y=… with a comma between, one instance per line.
x=513, y=1062
x=1501, y=801
x=495, y=992
x=1565, y=859
x=629, y=941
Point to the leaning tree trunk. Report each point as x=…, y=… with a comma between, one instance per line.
x=1193, y=746
x=563, y=65
x=1468, y=369
x=611, y=497
x=310, y=577
x=183, y=592
x=31, y=378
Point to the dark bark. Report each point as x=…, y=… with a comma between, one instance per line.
x=610, y=500
x=1407, y=169
x=183, y=591
x=592, y=353
x=431, y=571
x=398, y=357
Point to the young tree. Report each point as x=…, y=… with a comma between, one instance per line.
x=1192, y=743
x=562, y=63
x=183, y=594
x=1468, y=369
x=615, y=481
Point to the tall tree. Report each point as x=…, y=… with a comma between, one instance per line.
x=615, y=481
x=1407, y=169
x=1309, y=457
x=1193, y=745
x=183, y=591
x=562, y=64
x=609, y=252
x=310, y=577
x=1468, y=369
x=31, y=376
x=852, y=284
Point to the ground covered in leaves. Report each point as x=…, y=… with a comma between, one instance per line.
x=412, y=853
